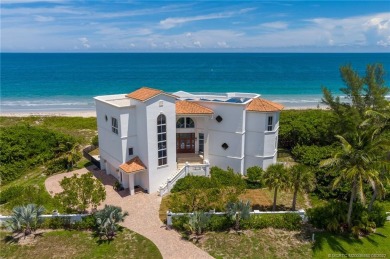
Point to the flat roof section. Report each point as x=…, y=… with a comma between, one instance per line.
x=117, y=100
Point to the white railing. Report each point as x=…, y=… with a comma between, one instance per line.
x=171, y=215
x=72, y=217
x=197, y=169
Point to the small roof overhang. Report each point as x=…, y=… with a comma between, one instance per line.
x=134, y=165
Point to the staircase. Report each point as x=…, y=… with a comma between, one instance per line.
x=191, y=158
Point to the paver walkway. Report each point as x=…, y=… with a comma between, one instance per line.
x=143, y=216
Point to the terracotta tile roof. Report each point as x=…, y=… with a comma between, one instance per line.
x=186, y=107
x=262, y=105
x=144, y=93
x=133, y=165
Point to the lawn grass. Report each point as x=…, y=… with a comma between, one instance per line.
x=77, y=244
x=263, y=243
x=327, y=244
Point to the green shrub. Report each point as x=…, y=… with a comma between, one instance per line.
x=95, y=141
x=228, y=177
x=220, y=223
x=87, y=223
x=312, y=155
x=179, y=223
x=255, y=177
x=192, y=182
x=288, y=221
x=10, y=193
x=56, y=166
x=378, y=214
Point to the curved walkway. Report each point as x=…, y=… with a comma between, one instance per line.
x=143, y=216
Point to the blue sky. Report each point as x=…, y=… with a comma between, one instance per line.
x=194, y=26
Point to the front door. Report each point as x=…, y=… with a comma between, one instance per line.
x=185, y=143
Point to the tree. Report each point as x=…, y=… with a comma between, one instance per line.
x=107, y=220
x=302, y=179
x=357, y=162
x=26, y=218
x=362, y=93
x=81, y=192
x=276, y=177
x=71, y=152
x=237, y=211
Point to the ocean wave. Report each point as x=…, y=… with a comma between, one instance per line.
x=44, y=103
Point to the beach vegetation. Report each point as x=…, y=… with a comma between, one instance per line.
x=81, y=193
x=24, y=146
x=238, y=211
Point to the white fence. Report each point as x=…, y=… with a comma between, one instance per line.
x=199, y=169
x=72, y=217
x=171, y=215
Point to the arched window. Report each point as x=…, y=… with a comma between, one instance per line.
x=162, y=140
x=185, y=123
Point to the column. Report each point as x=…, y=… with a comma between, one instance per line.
x=131, y=184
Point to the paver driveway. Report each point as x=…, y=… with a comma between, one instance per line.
x=143, y=216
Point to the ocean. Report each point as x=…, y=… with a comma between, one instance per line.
x=34, y=82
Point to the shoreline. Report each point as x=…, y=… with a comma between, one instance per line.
x=92, y=113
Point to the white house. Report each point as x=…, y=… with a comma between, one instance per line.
x=142, y=134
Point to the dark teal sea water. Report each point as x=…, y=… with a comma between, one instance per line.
x=38, y=82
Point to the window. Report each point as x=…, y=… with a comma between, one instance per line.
x=130, y=151
x=276, y=142
x=114, y=125
x=225, y=146
x=219, y=118
x=162, y=140
x=270, y=123
x=105, y=117
x=201, y=143
x=185, y=123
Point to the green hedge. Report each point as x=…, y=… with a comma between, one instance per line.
x=288, y=221
x=86, y=223
x=312, y=155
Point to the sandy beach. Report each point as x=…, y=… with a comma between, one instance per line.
x=92, y=113
x=84, y=114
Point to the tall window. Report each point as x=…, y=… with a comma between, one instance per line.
x=185, y=123
x=201, y=143
x=114, y=125
x=162, y=139
x=270, y=123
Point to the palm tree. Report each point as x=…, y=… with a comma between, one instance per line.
x=238, y=210
x=26, y=218
x=356, y=163
x=107, y=220
x=276, y=177
x=197, y=223
x=69, y=151
x=302, y=179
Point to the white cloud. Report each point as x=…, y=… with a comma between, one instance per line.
x=222, y=44
x=197, y=44
x=173, y=22
x=41, y=18
x=275, y=25
x=84, y=41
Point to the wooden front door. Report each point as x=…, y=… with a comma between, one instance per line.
x=185, y=142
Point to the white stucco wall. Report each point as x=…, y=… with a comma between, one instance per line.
x=159, y=174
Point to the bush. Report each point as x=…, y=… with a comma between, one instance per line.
x=378, y=214
x=305, y=127
x=312, y=155
x=56, y=166
x=227, y=177
x=255, y=177
x=192, y=182
x=179, y=223
x=220, y=223
x=288, y=221
x=86, y=223
x=95, y=141
x=10, y=193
